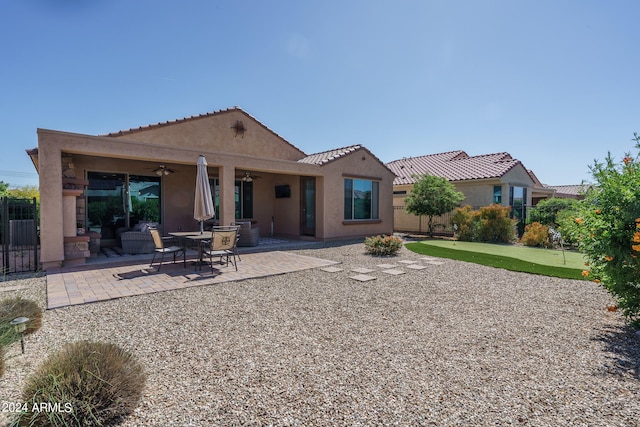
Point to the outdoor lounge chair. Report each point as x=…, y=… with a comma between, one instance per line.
x=162, y=249
x=223, y=244
x=137, y=240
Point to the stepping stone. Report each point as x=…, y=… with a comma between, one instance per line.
x=331, y=269
x=406, y=261
x=362, y=270
x=428, y=258
x=393, y=272
x=416, y=267
x=385, y=266
x=362, y=278
x=434, y=262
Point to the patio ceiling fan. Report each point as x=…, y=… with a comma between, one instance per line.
x=248, y=176
x=163, y=170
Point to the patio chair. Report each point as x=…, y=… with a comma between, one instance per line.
x=238, y=238
x=223, y=243
x=162, y=249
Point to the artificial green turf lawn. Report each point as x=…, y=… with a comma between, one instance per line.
x=546, y=262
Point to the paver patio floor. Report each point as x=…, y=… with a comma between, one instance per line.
x=99, y=282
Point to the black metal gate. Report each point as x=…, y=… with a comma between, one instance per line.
x=19, y=240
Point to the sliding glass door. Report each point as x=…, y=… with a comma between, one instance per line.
x=121, y=200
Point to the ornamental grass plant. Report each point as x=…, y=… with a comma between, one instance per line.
x=84, y=383
x=11, y=308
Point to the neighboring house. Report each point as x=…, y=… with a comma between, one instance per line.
x=570, y=191
x=103, y=183
x=483, y=179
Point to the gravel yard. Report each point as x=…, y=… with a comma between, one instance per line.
x=454, y=344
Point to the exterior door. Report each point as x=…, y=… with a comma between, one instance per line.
x=308, y=206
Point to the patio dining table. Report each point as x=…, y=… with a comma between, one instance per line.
x=200, y=238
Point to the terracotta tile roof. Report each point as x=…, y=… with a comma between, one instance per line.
x=329, y=156
x=199, y=116
x=534, y=178
x=571, y=190
x=452, y=165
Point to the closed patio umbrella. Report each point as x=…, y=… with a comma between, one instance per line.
x=203, y=207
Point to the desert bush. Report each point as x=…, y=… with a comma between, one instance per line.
x=487, y=224
x=536, y=234
x=496, y=225
x=88, y=383
x=464, y=221
x=382, y=245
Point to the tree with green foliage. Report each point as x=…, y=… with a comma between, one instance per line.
x=546, y=211
x=432, y=196
x=607, y=230
x=4, y=186
x=26, y=192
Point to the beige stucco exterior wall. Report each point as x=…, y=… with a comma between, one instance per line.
x=479, y=192
x=360, y=164
x=216, y=134
x=518, y=177
x=286, y=211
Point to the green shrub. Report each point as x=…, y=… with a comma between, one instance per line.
x=382, y=245
x=607, y=229
x=495, y=224
x=488, y=224
x=547, y=210
x=568, y=228
x=464, y=222
x=91, y=383
x=536, y=234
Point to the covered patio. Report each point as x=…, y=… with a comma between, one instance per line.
x=94, y=187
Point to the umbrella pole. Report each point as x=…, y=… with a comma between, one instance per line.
x=201, y=227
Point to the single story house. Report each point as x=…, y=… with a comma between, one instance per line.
x=574, y=191
x=91, y=187
x=483, y=179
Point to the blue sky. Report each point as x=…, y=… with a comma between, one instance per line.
x=554, y=83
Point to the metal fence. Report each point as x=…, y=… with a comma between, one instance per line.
x=409, y=223
x=19, y=240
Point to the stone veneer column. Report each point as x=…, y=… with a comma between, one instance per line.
x=76, y=248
